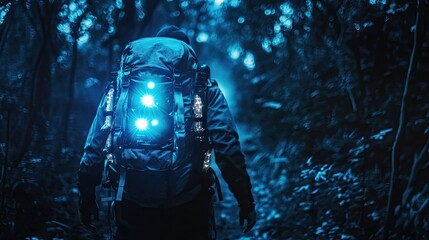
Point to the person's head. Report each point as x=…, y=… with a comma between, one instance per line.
x=173, y=32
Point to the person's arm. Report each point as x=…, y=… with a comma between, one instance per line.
x=93, y=151
x=228, y=155
x=91, y=168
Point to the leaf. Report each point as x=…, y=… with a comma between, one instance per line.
x=272, y=104
x=381, y=134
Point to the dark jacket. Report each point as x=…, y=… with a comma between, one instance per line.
x=172, y=53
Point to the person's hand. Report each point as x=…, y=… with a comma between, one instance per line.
x=88, y=211
x=88, y=178
x=247, y=220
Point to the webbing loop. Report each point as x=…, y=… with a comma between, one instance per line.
x=121, y=185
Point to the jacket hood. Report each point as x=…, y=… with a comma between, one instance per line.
x=173, y=32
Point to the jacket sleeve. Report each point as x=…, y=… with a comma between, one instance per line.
x=228, y=155
x=91, y=164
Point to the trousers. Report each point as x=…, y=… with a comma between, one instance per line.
x=189, y=221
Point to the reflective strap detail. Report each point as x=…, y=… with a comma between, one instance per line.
x=200, y=91
x=179, y=115
x=123, y=82
x=120, y=109
x=205, y=109
x=122, y=176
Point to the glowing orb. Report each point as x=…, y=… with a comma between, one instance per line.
x=151, y=85
x=148, y=100
x=142, y=124
x=154, y=122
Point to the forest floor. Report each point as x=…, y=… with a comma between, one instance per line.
x=268, y=209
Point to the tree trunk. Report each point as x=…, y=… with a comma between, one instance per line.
x=64, y=129
x=389, y=221
x=34, y=107
x=69, y=104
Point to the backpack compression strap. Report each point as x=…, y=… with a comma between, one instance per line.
x=179, y=115
x=123, y=83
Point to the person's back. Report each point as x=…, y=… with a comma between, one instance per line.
x=160, y=154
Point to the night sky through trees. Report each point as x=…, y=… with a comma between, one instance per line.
x=330, y=97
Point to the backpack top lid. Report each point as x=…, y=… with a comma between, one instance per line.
x=168, y=54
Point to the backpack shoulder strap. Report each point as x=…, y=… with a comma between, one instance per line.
x=200, y=91
x=205, y=82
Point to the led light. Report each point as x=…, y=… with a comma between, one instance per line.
x=154, y=122
x=148, y=100
x=151, y=85
x=142, y=124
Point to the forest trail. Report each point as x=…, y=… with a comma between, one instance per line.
x=226, y=211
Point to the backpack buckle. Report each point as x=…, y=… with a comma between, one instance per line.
x=125, y=82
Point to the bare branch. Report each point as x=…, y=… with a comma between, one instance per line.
x=389, y=221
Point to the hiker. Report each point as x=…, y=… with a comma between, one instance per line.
x=158, y=124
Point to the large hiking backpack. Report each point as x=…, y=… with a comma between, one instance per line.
x=159, y=139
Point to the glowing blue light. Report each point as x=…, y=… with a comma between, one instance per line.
x=218, y=2
x=278, y=39
x=154, y=123
x=249, y=61
x=72, y=6
x=184, y=4
x=235, y=3
x=266, y=45
x=286, y=9
x=270, y=11
x=288, y=24
x=119, y=4
x=148, y=100
x=277, y=28
x=234, y=51
x=83, y=39
x=87, y=23
x=151, y=85
x=64, y=28
x=235, y=54
x=142, y=124
x=202, y=37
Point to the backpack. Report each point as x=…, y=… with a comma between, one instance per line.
x=158, y=148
